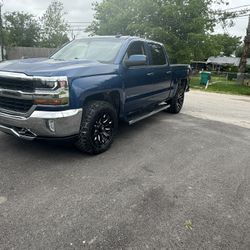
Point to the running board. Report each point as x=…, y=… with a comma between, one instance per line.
x=146, y=115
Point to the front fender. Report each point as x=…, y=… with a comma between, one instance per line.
x=85, y=87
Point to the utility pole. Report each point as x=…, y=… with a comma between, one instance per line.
x=243, y=61
x=1, y=30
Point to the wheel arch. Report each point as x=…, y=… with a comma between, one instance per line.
x=180, y=81
x=112, y=97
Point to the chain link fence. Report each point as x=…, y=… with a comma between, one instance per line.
x=225, y=77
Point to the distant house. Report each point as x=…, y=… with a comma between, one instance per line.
x=225, y=60
x=198, y=65
x=216, y=63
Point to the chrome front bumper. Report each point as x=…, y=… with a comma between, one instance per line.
x=45, y=124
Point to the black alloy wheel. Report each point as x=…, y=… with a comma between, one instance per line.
x=180, y=98
x=177, y=101
x=103, y=130
x=98, y=127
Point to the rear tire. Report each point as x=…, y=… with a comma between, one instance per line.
x=98, y=127
x=177, y=102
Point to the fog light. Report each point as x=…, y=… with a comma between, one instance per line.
x=51, y=125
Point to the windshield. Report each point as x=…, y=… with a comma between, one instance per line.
x=90, y=49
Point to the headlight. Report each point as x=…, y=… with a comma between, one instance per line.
x=51, y=91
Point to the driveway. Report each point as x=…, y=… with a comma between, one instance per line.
x=230, y=109
x=169, y=182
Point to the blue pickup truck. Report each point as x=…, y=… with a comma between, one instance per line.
x=85, y=88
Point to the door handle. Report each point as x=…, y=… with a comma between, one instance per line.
x=150, y=74
x=168, y=72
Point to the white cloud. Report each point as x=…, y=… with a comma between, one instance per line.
x=77, y=10
x=239, y=29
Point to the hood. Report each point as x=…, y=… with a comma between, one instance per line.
x=51, y=67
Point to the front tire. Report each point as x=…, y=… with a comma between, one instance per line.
x=98, y=127
x=177, y=102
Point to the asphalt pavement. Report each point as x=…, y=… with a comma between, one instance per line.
x=169, y=182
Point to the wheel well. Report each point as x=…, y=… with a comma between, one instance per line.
x=183, y=82
x=112, y=97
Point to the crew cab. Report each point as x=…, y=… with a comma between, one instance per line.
x=84, y=89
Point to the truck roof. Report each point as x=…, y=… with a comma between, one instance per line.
x=120, y=37
x=109, y=37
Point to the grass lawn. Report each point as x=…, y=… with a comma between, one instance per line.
x=220, y=86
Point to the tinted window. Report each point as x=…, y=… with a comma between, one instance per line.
x=158, y=55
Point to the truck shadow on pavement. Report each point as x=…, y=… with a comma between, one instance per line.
x=42, y=149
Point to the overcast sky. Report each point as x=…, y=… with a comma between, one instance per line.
x=81, y=11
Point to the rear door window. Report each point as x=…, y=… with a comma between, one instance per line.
x=157, y=54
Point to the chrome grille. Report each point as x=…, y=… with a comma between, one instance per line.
x=24, y=85
x=15, y=105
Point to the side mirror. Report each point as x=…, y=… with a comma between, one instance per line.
x=136, y=60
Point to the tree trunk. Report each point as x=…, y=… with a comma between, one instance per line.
x=243, y=61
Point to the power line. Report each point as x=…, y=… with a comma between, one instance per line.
x=246, y=15
x=87, y=22
x=79, y=22
x=76, y=30
x=237, y=7
x=77, y=27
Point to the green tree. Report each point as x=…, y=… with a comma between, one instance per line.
x=212, y=45
x=21, y=29
x=225, y=43
x=239, y=51
x=54, y=26
x=182, y=25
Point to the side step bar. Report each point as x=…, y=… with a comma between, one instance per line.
x=146, y=115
